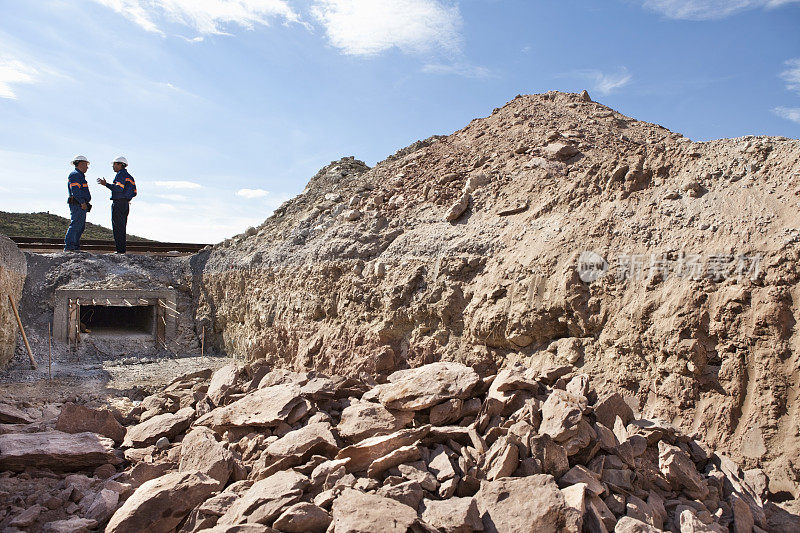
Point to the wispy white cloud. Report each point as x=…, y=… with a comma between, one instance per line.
x=178, y=184
x=133, y=10
x=172, y=197
x=354, y=27
x=168, y=85
x=252, y=193
x=168, y=89
x=792, y=75
x=789, y=113
x=604, y=82
x=13, y=72
x=709, y=9
x=369, y=27
x=792, y=78
x=207, y=17
x=162, y=207
x=458, y=69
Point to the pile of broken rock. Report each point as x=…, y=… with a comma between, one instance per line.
x=435, y=448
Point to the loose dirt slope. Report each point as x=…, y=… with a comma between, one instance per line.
x=364, y=273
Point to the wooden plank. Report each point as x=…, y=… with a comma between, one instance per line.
x=49, y=351
x=22, y=330
x=161, y=324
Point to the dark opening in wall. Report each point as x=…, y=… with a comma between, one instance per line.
x=134, y=319
x=112, y=312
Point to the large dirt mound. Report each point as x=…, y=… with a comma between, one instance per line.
x=465, y=248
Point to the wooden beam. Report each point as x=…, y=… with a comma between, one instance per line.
x=24, y=337
x=49, y=351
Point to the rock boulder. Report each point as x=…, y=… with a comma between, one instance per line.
x=55, y=450
x=78, y=419
x=357, y=512
x=200, y=452
x=362, y=454
x=517, y=505
x=159, y=505
x=266, y=499
x=419, y=388
x=455, y=515
x=361, y=420
x=166, y=425
x=262, y=408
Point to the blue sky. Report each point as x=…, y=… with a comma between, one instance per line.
x=225, y=108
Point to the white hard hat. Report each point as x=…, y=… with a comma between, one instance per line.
x=122, y=160
x=79, y=158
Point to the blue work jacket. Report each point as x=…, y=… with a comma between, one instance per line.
x=77, y=186
x=123, y=187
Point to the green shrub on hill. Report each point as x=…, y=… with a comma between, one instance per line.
x=47, y=225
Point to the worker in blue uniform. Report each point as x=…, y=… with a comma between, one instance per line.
x=123, y=189
x=79, y=198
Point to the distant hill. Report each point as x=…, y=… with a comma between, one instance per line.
x=51, y=226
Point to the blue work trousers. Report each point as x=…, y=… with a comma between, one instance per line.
x=119, y=223
x=72, y=241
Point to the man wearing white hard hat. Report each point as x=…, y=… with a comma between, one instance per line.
x=78, y=200
x=123, y=189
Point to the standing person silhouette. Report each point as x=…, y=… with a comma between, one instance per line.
x=123, y=189
x=79, y=198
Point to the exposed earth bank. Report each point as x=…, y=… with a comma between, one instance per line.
x=464, y=248
x=13, y=269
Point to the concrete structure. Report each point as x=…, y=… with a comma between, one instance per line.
x=119, y=312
